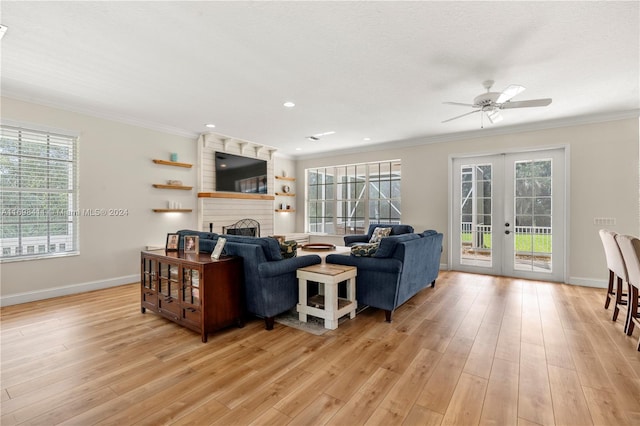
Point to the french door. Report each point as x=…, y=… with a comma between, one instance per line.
x=508, y=214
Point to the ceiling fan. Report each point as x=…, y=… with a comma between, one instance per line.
x=492, y=102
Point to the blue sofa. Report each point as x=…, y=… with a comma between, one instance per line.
x=270, y=282
x=396, y=229
x=401, y=267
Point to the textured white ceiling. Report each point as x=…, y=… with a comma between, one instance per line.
x=362, y=69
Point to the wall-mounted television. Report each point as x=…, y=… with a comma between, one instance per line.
x=235, y=173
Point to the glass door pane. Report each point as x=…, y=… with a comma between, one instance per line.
x=532, y=250
x=475, y=214
x=168, y=280
x=191, y=286
x=149, y=274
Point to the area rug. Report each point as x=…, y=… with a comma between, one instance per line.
x=314, y=325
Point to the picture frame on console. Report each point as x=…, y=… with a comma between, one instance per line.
x=191, y=244
x=217, y=251
x=172, y=242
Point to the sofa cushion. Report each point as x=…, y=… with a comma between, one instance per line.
x=401, y=229
x=364, y=250
x=288, y=249
x=428, y=232
x=388, y=244
x=378, y=234
x=270, y=246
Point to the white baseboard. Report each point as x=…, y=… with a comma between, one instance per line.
x=587, y=282
x=32, y=296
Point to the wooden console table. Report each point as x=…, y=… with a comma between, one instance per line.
x=192, y=290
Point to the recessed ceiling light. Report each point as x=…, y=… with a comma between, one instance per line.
x=211, y=126
x=298, y=149
x=289, y=104
x=366, y=139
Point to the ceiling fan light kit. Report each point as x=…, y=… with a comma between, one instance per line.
x=491, y=103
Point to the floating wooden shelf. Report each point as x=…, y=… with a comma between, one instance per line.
x=286, y=210
x=286, y=178
x=172, y=210
x=173, y=163
x=161, y=186
x=285, y=194
x=237, y=195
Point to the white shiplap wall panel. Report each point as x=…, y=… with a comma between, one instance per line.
x=226, y=211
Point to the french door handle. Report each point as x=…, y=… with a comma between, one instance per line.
x=507, y=232
x=506, y=224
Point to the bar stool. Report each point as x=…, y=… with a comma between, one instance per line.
x=630, y=248
x=617, y=272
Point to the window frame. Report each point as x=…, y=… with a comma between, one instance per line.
x=21, y=212
x=351, y=188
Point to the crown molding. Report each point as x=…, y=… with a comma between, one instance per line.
x=102, y=115
x=482, y=133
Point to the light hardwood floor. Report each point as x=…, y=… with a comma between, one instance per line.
x=475, y=350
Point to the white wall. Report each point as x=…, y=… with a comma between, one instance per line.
x=603, y=182
x=115, y=171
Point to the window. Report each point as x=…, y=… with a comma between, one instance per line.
x=39, y=197
x=343, y=200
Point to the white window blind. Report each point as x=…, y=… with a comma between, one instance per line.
x=39, y=199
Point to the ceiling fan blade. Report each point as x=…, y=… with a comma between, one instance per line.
x=458, y=103
x=526, y=104
x=509, y=93
x=494, y=116
x=460, y=116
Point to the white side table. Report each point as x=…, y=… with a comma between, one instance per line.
x=328, y=306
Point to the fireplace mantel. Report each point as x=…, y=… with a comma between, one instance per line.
x=236, y=195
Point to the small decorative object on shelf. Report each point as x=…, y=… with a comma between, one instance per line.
x=174, y=156
x=174, y=182
x=286, y=189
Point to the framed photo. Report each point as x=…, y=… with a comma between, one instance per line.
x=191, y=244
x=172, y=242
x=217, y=251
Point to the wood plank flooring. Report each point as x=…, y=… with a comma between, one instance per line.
x=475, y=350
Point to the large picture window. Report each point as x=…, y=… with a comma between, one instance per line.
x=38, y=200
x=344, y=200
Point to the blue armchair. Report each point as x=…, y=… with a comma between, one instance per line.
x=396, y=229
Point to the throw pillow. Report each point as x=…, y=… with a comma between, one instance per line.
x=288, y=249
x=379, y=233
x=364, y=250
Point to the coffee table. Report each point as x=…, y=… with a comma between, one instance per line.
x=328, y=306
